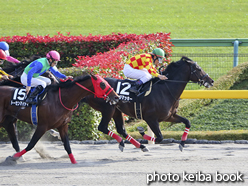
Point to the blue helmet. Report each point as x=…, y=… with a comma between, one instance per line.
x=4, y=46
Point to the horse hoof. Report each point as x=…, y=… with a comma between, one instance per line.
x=121, y=145
x=181, y=147
x=145, y=149
x=141, y=129
x=9, y=161
x=121, y=148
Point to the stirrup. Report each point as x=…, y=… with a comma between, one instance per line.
x=31, y=101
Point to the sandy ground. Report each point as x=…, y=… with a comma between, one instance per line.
x=106, y=165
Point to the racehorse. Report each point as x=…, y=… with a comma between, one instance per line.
x=16, y=70
x=56, y=108
x=159, y=105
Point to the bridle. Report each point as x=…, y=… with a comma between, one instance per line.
x=104, y=93
x=193, y=69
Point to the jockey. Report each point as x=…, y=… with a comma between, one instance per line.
x=3, y=75
x=5, y=47
x=141, y=67
x=31, y=77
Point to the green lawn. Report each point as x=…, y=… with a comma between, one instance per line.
x=183, y=18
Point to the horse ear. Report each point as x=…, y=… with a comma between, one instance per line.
x=94, y=77
x=184, y=58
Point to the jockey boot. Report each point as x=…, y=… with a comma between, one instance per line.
x=135, y=88
x=32, y=95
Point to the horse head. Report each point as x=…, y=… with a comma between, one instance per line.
x=198, y=75
x=104, y=90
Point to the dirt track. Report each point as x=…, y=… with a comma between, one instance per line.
x=106, y=165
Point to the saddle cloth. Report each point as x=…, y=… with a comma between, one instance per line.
x=19, y=97
x=122, y=89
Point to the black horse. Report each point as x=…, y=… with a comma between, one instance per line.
x=159, y=105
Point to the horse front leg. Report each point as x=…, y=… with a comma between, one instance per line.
x=178, y=119
x=63, y=131
x=107, y=114
x=39, y=132
x=120, y=127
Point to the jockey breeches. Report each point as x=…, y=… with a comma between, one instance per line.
x=41, y=80
x=141, y=74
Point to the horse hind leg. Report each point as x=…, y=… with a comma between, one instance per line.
x=39, y=132
x=119, y=123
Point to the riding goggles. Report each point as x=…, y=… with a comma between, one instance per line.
x=160, y=60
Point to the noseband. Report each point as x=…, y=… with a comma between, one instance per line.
x=193, y=69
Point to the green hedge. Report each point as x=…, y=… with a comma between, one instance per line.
x=68, y=51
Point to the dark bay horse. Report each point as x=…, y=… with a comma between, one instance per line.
x=160, y=105
x=56, y=109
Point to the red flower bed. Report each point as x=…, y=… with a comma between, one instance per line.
x=111, y=63
x=104, y=53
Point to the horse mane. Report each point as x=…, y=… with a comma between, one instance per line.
x=17, y=69
x=174, y=66
x=69, y=83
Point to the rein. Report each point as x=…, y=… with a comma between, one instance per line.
x=63, y=104
x=192, y=72
x=77, y=103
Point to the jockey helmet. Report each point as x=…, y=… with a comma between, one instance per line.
x=159, y=52
x=2, y=54
x=4, y=46
x=54, y=55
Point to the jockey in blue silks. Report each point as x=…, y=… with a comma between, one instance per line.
x=31, y=77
